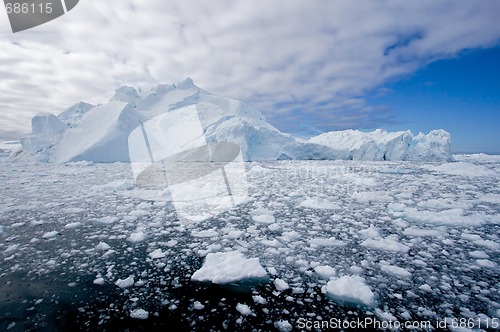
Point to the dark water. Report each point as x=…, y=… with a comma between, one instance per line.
x=89, y=307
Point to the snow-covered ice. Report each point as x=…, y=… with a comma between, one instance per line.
x=386, y=244
x=125, y=283
x=85, y=132
x=139, y=314
x=381, y=145
x=280, y=284
x=244, y=309
x=350, y=289
x=325, y=271
x=228, y=267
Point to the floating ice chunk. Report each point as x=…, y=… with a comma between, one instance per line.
x=263, y=216
x=214, y=247
x=11, y=248
x=386, y=244
x=283, y=326
x=280, y=284
x=244, y=309
x=470, y=237
x=258, y=169
x=319, y=203
x=395, y=271
x=157, y=254
x=271, y=243
x=139, y=314
x=448, y=217
x=171, y=243
x=198, y=306
x=205, y=233
x=369, y=196
x=259, y=299
x=486, y=263
x=234, y=234
x=109, y=252
x=50, y=235
x=228, y=267
x=288, y=236
x=350, y=289
x=370, y=232
x=325, y=271
x=356, y=269
x=425, y=287
x=102, y=246
x=385, y=316
x=329, y=242
x=139, y=283
x=487, y=244
x=72, y=225
x=396, y=208
x=478, y=254
x=99, y=281
x=137, y=236
x=422, y=232
x=125, y=283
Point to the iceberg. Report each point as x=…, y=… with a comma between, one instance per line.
x=85, y=132
x=382, y=145
x=46, y=130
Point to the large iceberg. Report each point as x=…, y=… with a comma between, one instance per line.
x=99, y=133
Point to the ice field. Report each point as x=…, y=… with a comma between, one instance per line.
x=82, y=248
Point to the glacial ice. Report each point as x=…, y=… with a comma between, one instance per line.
x=228, y=267
x=85, y=132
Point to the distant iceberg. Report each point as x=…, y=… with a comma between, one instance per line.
x=85, y=132
x=382, y=145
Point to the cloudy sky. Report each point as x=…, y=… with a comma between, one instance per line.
x=310, y=66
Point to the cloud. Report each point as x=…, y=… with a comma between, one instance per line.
x=309, y=61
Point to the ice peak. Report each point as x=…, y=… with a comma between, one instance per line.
x=186, y=84
x=126, y=94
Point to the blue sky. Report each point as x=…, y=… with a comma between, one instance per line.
x=309, y=65
x=460, y=95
